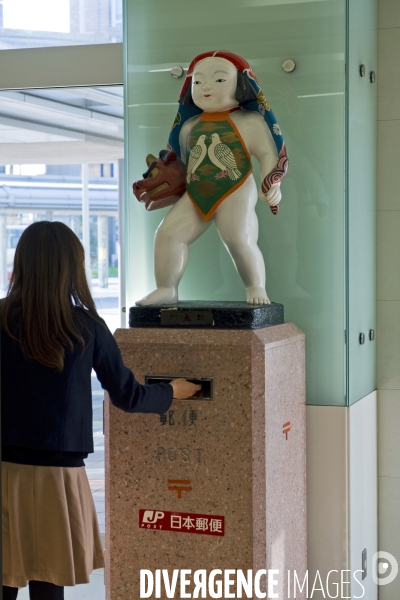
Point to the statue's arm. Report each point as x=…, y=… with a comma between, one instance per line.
x=183, y=136
x=262, y=147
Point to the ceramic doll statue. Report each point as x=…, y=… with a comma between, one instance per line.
x=223, y=120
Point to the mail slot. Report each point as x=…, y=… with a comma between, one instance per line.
x=207, y=387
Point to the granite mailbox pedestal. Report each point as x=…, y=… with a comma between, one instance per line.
x=218, y=482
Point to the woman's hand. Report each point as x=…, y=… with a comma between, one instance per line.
x=183, y=388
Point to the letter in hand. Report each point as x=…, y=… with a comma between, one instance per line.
x=183, y=388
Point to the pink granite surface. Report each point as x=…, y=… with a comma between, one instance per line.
x=235, y=455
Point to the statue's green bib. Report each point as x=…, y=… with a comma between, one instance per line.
x=217, y=162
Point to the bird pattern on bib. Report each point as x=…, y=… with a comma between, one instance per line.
x=217, y=162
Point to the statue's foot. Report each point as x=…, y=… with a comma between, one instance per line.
x=257, y=295
x=161, y=295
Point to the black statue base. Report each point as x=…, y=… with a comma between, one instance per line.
x=207, y=315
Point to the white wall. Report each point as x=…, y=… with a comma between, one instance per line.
x=342, y=491
x=327, y=491
x=363, y=490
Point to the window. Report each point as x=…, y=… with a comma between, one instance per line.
x=40, y=23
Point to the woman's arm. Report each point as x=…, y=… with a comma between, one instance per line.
x=124, y=390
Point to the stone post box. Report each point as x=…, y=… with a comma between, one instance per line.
x=218, y=482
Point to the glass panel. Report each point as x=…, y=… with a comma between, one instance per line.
x=40, y=23
x=304, y=245
x=363, y=17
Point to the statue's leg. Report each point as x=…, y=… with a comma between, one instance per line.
x=237, y=223
x=182, y=226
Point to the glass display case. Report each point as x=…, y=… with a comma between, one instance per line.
x=309, y=268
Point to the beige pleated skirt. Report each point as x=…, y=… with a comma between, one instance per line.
x=50, y=528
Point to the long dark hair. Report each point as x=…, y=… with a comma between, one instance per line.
x=47, y=284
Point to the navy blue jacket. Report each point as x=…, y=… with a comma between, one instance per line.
x=46, y=410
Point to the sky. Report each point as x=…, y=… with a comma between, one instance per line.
x=37, y=15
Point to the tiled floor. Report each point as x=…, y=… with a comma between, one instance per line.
x=106, y=302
